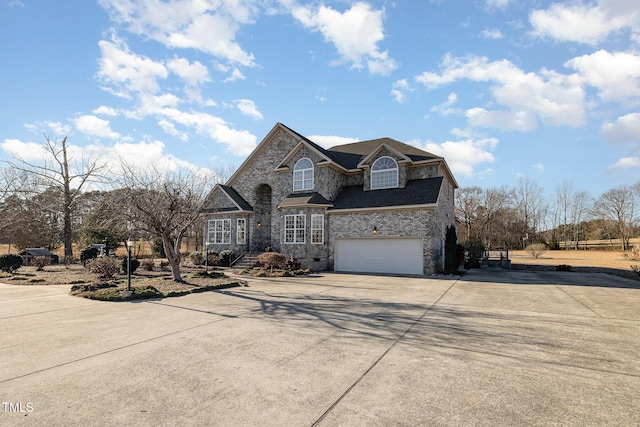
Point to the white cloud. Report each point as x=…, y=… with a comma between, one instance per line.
x=237, y=142
x=399, y=90
x=28, y=151
x=328, y=141
x=615, y=75
x=445, y=108
x=103, y=110
x=355, y=34
x=95, y=126
x=589, y=23
x=539, y=167
x=52, y=129
x=209, y=26
x=248, y=108
x=127, y=71
x=194, y=74
x=236, y=75
x=492, y=34
x=624, y=164
x=625, y=130
x=464, y=156
x=528, y=98
x=498, y=4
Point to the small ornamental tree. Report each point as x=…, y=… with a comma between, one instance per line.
x=536, y=249
x=40, y=262
x=104, y=267
x=10, y=263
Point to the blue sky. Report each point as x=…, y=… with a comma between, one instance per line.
x=502, y=89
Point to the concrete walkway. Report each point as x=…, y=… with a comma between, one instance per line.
x=490, y=348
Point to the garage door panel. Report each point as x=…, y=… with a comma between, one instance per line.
x=395, y=255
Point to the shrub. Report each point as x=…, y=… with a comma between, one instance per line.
x=88, y=254
x=272, y=260
x=450, y=251
x=213, y=258
x=196, y=258
x=225, y=258
x=40, y=262
x=105, y=267
x=563, y=267
x=292, y=264
x=635, y=253
x=164, y=265
x=148, y=264
x=536, y=249
x=134, y=265
x=10, y=263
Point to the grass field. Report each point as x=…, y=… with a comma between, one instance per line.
x=580, y=258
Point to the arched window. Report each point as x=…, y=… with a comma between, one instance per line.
x=303, y=175
x=384, y=173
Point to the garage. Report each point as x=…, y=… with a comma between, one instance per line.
x=399, y=255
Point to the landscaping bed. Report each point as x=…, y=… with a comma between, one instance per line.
x=144, y=284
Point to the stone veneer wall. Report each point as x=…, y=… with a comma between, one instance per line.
x=422, y=223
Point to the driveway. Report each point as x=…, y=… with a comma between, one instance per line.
x=490, y=348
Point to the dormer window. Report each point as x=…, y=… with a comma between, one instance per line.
x=384, y=173
x=303, y=175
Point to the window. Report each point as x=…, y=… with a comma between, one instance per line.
x=303, y=175
x=219, y=231
x=241, y=231
x=384, y=173
x=317, y=229
x=294, y=228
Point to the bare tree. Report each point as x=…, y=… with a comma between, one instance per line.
x=62, y=174
x=495, y=201
x=467, y=202
x=163, y=204
x=531, y=207
x=618, y=206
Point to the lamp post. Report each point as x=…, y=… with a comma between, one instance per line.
x=129, y=242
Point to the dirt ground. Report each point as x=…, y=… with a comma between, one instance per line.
x=580, y=258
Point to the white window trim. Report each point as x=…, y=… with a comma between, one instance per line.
x=317, y=225
x=305, y=183
x=224, y=234
x=241, y=231
x=299, y=229
x=373, y=172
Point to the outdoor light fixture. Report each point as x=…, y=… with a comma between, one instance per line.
x=129, y=243
x=375, y=230
x=258, y=224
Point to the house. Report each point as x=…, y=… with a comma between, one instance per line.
x=378, y=206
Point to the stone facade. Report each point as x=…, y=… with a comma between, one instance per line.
x=260, y=194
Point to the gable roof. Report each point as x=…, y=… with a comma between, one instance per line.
x=364, y=148
x=347, y=157
x=240, y=204
x=417, y=192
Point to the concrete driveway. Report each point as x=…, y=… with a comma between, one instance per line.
x=490, y=348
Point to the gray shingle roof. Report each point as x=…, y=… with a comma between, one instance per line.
x=416, y=192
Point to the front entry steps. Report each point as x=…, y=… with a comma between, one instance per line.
x=246, y=261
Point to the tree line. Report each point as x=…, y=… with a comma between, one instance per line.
x=515, y=217
x=61, y=200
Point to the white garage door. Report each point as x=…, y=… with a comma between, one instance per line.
x=381, y=255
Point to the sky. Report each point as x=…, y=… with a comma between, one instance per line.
x=502, y=89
